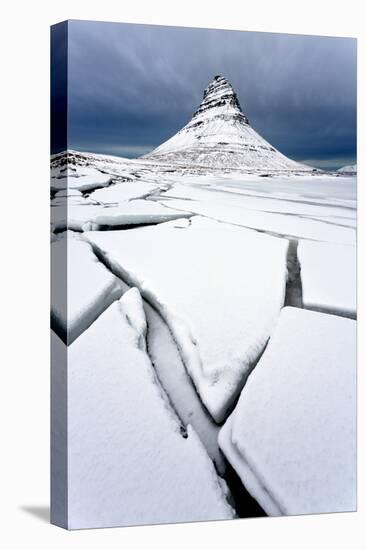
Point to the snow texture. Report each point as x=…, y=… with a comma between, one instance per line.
x=328, y=275
x=219, y=288
x=128, y=463
x=292, y=435
x=133, y=309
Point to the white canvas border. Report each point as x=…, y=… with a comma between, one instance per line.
x=25, y=254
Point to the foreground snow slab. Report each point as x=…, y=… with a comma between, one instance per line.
x=91, y=288
x=328, y=275
x=292, y=435
x=128, y=463
x=220, y=289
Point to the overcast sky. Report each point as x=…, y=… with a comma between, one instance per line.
x=131, y=87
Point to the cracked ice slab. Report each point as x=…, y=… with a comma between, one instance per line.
x=124, y=191
x=328, y=274
x=83, y=180
x=128, y=464
x=91, y=288
x=173, y=376
x=220, y=289
x=292, y=435
x=136, y=212
x=86, y=215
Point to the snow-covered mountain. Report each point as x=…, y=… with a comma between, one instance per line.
x=219, y=136
x=349, y=169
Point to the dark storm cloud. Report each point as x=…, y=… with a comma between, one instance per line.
x=59, y=87
x=133, y=86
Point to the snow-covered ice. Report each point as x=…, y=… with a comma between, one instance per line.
x=328, y=275
x=311, y=207
x=128, y=463
x=210, y=264
x=220, y=289
x=91, y=288
x=292, y=435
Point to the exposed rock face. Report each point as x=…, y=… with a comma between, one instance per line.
x=219, y=136
x=220, y=94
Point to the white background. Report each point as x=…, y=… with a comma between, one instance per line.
x=24, y=312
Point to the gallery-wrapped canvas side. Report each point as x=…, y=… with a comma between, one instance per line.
x=58, y=285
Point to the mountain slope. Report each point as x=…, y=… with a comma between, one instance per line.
x=350, y=169
x=219, y=136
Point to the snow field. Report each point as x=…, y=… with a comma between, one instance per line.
x=128, y=463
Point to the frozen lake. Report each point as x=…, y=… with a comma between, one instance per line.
x=215, y=258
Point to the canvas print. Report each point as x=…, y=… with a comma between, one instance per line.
x=203, y=248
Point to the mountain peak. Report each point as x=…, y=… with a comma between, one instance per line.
x=219, y=97
x=219, y=136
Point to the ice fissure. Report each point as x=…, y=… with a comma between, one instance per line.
x=294, y=284
x=160, y=343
